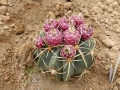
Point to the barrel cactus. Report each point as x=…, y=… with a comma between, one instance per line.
x=64, y=53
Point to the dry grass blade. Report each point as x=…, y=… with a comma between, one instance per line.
x=115, y=68
x=110, y=73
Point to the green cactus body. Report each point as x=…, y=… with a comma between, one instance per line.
x=61, y=68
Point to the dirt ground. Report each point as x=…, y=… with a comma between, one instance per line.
x=22, y=20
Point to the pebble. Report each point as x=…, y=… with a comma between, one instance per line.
x=104, y=7
x=35, y=80
x=19, y=29
x=104, y=72
x=3, y=2
x=114, y=49
x=110, y=55
x=69, y=12
x=103, y=62
x=108, y=43
x=12, y=25
x=106, y=20
x=112, y=20
x=117, y=30
x=109, y=9
x=99, y=3
x=86, y=13
x=6, y=78
x=3, y=10
x=108, y=33
x=57, y=7
x=90, y=89
x=67, y=5
x=80, y=15
x=115, y=13
x=1, y=23
x=107, y=67
x=52, y=15
x=102, y=20
x=57, y=13
x=114, y=4
x=118, y=81
x=5, y=27
x=7, y=14
x=115, y=88
x=4, y=18
x=97, y=10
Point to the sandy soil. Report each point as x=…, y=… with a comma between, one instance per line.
x=22, y=20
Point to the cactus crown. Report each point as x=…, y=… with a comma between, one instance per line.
x=66, y=51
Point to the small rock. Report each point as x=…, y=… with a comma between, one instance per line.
x=103, y=7
x=118, y=81
x=108, y=43
x=10, y=4
x=12, y=25
x=1, y=23
x=7, y=14
x=107, y=67
x=110, y=55
x=108, y=33
x=110, y=9
x=86, y=13
x=115, y=13
x=3, y=10
x=35, y=80
x=61, y=13
x=99, y=3
x=19, y=29
x=96, y=10
x=106, y=20
x=112, y=21
x=117, y=30
x=115, y=88
x=112, y=61
x=67, y=5
x=114, y=49
x=3, y=2
x=103, y=62
x=4, y=18
x=102, y=20
x=57, y=13
x=104, y=72
x=90, y=89
x=69, y=12
x=100, y=83
x=5, y=27
x=57, y=7
x=80, y=15
x=52, y=15
x=25, y=85
x=61, y=8
x=6, y=78
x=114, y=4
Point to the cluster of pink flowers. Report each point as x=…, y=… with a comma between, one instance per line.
x=67, y=31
